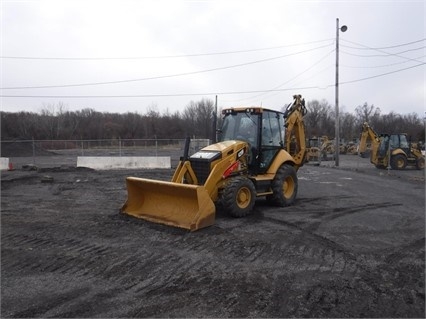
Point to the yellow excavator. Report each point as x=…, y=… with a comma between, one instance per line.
x=258, y=154
x=390, y=149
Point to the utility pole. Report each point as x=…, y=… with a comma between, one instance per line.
x=214, y=135
x=337, y=125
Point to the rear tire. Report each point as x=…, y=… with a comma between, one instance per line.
x=238, y=197
x=398, y=161
x=420, y=163
x=284, y=186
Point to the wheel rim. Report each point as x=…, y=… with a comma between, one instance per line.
x=400, y=163
x=288, y=187
x=243, y=197
x=421, y=163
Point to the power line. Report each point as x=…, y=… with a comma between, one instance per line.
x=381, y=55
x=203, y=54
x=379, y=48
x=386, y=53
x=164, y=76
x=383, y=65
x=159, y=56
x=209, y=93
x=152, y=95
x=298, y=75
x=367, y=78
x=383, y=74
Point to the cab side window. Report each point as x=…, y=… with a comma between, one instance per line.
x=271, y=130
x=404, y=142
x=271, y=138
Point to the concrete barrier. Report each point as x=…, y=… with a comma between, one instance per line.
x=127, y=162
x=4, y=163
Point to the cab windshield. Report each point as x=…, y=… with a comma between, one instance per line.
x=240, y=126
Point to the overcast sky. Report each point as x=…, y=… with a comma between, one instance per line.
x=133, y=56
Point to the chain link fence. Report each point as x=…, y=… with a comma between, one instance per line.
x=65, y=152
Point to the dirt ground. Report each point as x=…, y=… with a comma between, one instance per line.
x=353, y=245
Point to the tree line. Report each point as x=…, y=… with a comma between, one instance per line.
x=54, y=122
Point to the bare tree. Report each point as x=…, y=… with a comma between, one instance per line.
x=51, y=121
x=151, y=122
x=319, y=119
x=367, y=113
x=198, y=118
x=349, y=128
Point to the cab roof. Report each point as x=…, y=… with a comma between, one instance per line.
x=248, y=109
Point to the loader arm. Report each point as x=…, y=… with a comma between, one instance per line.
x=295, y=141
x=184, y=173
x=368, y=133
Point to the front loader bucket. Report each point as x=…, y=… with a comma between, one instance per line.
x=174, y=204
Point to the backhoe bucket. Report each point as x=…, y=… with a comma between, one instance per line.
x=173, y=204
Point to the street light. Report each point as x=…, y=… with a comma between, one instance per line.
x=337, y=126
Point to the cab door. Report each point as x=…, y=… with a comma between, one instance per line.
x=271, y=140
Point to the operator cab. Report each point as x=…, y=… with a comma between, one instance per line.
x=262, y=129
x=392, y=142
x=400, y=141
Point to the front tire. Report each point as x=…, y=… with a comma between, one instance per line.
x=398, y=161
x=284, y=186
x=238, y=197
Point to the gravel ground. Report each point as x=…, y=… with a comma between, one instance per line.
x=353, y=245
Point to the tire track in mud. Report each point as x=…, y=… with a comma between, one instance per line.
x=298, y=249
x=292, y=253
x=127, y=269
x=359, y=274
x=25, y=253
x=38, y=311
x=188, y=262
x=310, y=253
x=387, y=289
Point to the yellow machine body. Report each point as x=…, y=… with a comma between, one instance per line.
x=234, y=166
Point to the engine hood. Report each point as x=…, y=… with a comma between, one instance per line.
x=225, y=146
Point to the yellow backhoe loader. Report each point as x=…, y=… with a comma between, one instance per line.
x=351, y=148
x=258, y=154
x=313, y=150
x=390, y=149
x=319, y=149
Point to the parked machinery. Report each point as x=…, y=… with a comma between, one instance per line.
x=351, y=148
x=390, y=149
x=313, y=150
